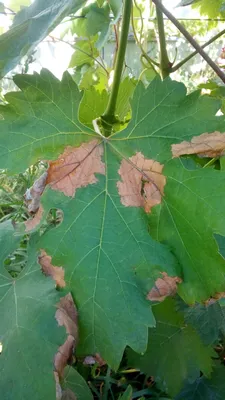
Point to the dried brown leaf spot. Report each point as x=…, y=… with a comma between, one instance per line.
x=91, y=360
x=57, y=273
x=33, y=194
x=32, y=223
x=63, y=356
x=214, y=298
x=205, y=145
x=67, y=316
x=164, y=287
x=142, y=182
x=76, y=168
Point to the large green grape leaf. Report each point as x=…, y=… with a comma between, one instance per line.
x=175, y=351
x=206, y=389
x=101, y=242
x=29, y=333
x=30, y=26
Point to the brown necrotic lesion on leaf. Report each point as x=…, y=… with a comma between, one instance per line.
x=32, y=200
x=57, y=273
x=76, y=167
x=67, y=316
x=96, y=358
x=205, y=145
x=215, y=298
x=164, y=287
x=33, y=194
x=33, y=222
x=142, y=182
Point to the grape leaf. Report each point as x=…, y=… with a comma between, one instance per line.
x=127, y=395
x=101, y=242
x=75, y=382
x=30, y=26
x=28, y=332
x=211, y=8
x=208, y=320
x=93, y=103
x=95, y=20
x=110, y=303
x=174, y=352
x=85, y=53
x=206, y=389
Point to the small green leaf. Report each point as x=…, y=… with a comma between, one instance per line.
x=174, y=353
x=95, y=20
x=127, y=395
x=85, y=53
x=94, y=103
x=211, y=8
x=75, y=382
x=92, y=106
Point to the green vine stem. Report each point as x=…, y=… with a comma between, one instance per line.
x=186, y=59
x=108, y=118
x=165, y=64
x=190, y=39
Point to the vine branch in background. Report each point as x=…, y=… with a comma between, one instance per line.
x=186, y=59
x=117, y=45
x=165, y=64
x=144, y=54
x=190, y=39
x=109, y=114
